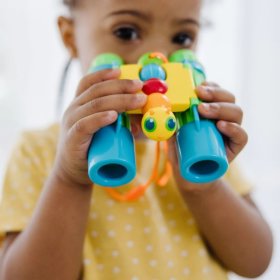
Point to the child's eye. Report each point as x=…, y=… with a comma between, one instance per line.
x=127, y=33
x=184, y=39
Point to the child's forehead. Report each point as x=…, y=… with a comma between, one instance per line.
x=155, y=6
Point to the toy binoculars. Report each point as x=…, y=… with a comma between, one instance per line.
x=171, y=108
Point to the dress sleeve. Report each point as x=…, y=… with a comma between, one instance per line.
x=237, y=180
x=23, y=180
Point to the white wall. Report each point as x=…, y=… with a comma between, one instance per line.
x=31, y=61
x=240, y=52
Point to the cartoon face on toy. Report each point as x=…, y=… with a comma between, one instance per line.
x=159, y=124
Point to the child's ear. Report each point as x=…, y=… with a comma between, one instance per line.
x=67, y=33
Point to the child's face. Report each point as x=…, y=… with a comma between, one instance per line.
x=131, y=28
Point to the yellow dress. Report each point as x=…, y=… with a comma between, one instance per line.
x=154, y=237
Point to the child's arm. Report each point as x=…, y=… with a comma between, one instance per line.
x=233, y=228
x=51, y=246
x=231, y=225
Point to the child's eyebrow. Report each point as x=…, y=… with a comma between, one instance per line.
x=132, y=13
x=187, y=21
x=147, y=17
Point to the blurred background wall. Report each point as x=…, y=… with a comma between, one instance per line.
x=240, y=52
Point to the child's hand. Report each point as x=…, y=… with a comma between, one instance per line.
x=220, y=106
x=99, y=99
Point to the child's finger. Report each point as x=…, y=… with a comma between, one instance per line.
x=82, y=130
x=118, y=102
x=97, y=77
x=237, y=138
x=214, y=94
x=221, y=111
x=109, y=88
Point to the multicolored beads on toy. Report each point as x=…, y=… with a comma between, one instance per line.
x=106, y=61
x=154, y=85
x=158, y=122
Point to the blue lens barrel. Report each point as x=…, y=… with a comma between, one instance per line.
x=201, y=152
x=111, y=156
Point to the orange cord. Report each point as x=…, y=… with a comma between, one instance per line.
x=138, y=191
x=167, y=170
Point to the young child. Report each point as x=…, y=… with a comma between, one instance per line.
x=56, y=225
